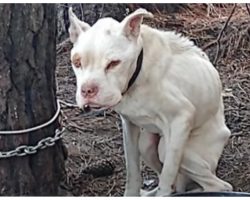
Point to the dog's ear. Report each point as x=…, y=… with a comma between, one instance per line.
x=76, y=26
x=132, y=23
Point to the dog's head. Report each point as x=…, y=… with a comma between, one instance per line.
x=104, y=57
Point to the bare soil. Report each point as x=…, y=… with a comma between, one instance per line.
x=95, y=164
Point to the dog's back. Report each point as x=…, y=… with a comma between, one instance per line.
x=178, y=43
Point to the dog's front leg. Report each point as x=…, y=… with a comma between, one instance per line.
x=175, y=140
x=131, y=149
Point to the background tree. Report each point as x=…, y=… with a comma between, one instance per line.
x=28, y=97
x=91, y=12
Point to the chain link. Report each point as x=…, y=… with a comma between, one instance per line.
x=24, y=150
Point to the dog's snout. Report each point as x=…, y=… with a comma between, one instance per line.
x=89, y=91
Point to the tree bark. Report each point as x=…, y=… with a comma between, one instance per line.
x=28, y=98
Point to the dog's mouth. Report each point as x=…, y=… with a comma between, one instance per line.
x=94, y=108
x=97, y=108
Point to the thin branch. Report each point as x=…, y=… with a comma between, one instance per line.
x=248, y=9
x=156, y=9
x=81, y=8
x=236, y=134
x=67, y=104
x=61, y=47
x=110, y=190
x=220, y=34
x=212, y=43
x=101, y=13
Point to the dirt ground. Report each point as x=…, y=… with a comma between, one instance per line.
x=95, y=164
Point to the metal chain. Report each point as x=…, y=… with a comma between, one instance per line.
x=24, y=150
x=29, y=150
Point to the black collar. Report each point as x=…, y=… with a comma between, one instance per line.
x=136, y=72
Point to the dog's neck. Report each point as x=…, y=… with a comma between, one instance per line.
x=147, y=73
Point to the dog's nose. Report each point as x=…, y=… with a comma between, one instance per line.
x=89, y=91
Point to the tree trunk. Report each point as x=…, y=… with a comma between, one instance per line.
x=28, y=98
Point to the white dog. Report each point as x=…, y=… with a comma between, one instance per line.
x=168, y=95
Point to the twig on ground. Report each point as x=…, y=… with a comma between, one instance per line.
x=248, y=9
x=210, y=9
x=220, y=34
x=61, y=46
x=205, y=47
x=101, y=13
x=83, y=130
x=156, y=9
x=113, y=185
x=237, y=134
x=70, y=105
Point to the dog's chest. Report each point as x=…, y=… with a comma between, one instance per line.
x=140, y=115
x=145, y=122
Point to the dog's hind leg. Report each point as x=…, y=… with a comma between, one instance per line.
x=203, y=151
x=199, y=170
x=200, y=166
x=181, y=183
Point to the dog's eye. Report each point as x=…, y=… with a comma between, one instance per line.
x=77, y=63
x=76, y=60
x=113, y=64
